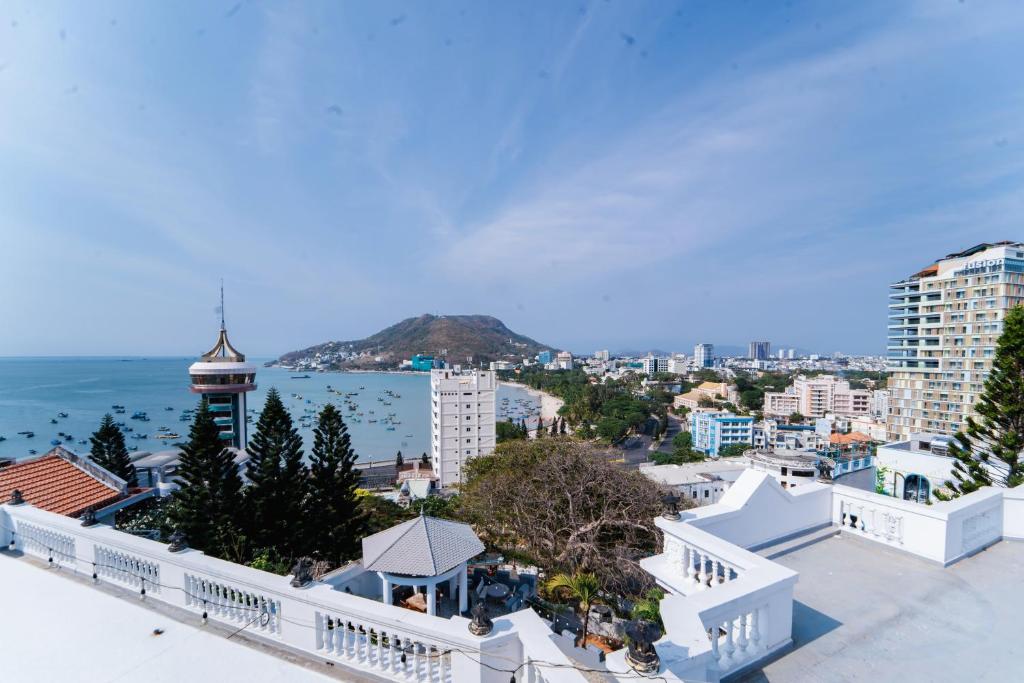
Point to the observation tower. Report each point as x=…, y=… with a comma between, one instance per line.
x=223, y=378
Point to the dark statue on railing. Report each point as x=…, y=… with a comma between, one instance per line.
x=671, y=502
x=178, y=541
x=641, y=655
x=89, y=517
x=16, y=498
x=302, y=572
x=481, y=624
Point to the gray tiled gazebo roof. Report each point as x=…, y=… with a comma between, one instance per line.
x=425, y=546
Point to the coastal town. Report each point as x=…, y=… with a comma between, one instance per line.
x=511, y=342
x=754, y=474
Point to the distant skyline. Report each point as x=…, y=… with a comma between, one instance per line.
x=595, y=174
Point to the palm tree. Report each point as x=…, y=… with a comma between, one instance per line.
x=581, y=587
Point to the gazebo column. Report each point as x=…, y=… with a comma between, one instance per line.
x=385, y=589
x=453, y=583
x=432, y=598
x=463, y=589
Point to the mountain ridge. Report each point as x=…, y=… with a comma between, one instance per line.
x=456, y=338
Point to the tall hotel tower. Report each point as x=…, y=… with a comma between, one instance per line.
x=944, y=322
x=223, y=377
x=462, y=415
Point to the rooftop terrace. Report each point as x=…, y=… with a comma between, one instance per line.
x=864, y=612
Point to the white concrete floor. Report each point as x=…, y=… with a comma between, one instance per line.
x=866, y=612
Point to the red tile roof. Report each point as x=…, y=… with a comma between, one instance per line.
x=852, y=437
x=53, y=483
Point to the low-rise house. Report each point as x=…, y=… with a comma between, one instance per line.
x=702, y=483
x=65, y=483
x=707, y=391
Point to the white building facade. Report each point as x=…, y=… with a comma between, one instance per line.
x=704, y=355
x=462, y=420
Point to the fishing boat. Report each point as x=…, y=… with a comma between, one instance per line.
x=27, y=434
x=168, y=408
x=53, y=421
x=391, y=429
x=62, y=414
x=3, y=438
x=168, y=435
x=117, y=407
x=300, y=376
x=54, y=442
x=32, y=451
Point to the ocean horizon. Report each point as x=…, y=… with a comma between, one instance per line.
x=35, y=390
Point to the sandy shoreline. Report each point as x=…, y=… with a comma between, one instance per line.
x=549, y=404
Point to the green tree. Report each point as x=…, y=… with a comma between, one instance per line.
x=539, y=434
x=206, y=505
x=583, y=588
x=425, y=459
x=399, y=461
x=796, y=418
x=278, y=480
x=508, y=430
x=333, y=518
x=682, y=441
x=611, y=428
x=988, y=452
x=554, y=427
x=109, y=452
x=733, y=450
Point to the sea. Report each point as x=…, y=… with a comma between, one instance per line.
x=35, y=392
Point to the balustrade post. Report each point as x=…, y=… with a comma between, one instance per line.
x=741, y=640
x=729, y=648
x=702, y=577
x=755, y=629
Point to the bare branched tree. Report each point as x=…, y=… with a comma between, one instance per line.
x=565, y=507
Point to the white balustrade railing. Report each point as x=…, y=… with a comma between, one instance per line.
x=125, y=568
x=695, y=560
x=387, y=641
x=944, y=532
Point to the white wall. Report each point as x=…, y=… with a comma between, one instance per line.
x=757, y=510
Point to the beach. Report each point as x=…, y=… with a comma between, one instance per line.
x=549, y=405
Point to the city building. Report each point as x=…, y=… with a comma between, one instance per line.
x=815, y=396
x=544, y=357
x=678, y=364
x=652, y=365
x=792, y=354
x=422, y=363
x=759, y=350
x=223, y=378
x=714, y=430
x=704, y=355
x=703, y=483
x=707, y=391
x=462, y=420
x=944, y=323
x=880, y=404
x=790, y=468
x=602, y=355
x=772, y=434
x=564, y=360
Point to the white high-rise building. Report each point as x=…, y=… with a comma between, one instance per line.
x=602, y=355
x=704, y=355
x=944, y=324
x=462, y=419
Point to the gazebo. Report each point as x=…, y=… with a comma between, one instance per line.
x=423, y=552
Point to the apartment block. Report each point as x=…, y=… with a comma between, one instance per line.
x=815, y=396
x=944, y=323
x=462, y=419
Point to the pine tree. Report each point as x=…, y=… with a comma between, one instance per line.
x=399, y=461
x=554, y=427
x=561, y=426
x=109, y=452
x=333, y=513
x=540, y=428
x=425, y=459
x=275, y=498
x=988, y=452
x=206, y=505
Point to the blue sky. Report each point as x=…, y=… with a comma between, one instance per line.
x=596, y=174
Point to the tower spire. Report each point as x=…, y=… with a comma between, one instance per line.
x=222, y=303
